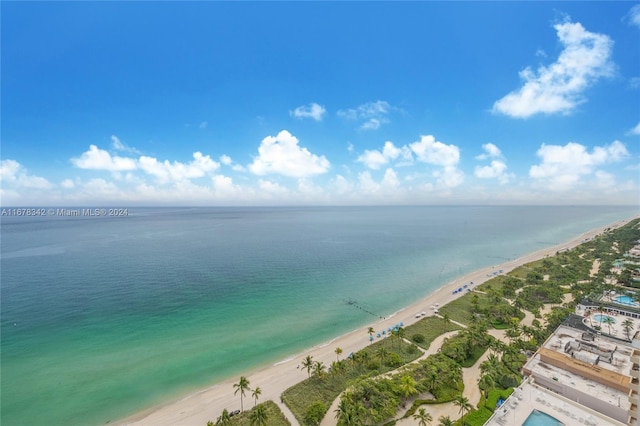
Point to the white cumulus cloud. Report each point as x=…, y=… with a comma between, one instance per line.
x=165, y=171
x=375, y=159
x=559, y=87
x=490, y=151
x=14, y=174
x=562, y=167
x=118, y=145
x=496, y=169
x=67, y=184
x=99, y=159
x=372, y=115
x=227, y=161
x=635, y=130
x=282, y=155
x=634, y=15
x=429, y=150
x=313, y=110
x=176, y=171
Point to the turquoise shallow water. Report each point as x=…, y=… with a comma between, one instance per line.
x=104, y=317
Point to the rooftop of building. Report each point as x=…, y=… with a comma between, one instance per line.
x=529, y=397
x=590, y=344
x=587, y=362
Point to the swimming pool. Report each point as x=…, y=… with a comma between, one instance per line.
x=538, y=418
x=601, y=318
x=626, y=300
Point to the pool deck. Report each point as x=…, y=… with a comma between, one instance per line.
x=529, y=396
x=613, y=298
x=615, y=330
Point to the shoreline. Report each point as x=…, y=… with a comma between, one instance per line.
x=207, y=404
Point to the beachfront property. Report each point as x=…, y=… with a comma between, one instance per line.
x=577, y=377
x=534, y=405
x=610, y=304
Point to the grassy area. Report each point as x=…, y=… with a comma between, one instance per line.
x=274, y=416
x=494, y=283
x=522, y=271
x=460, y=309
x=429, y=328
x=326, y=389
x=475, y=355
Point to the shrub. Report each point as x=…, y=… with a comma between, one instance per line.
x=477, y=417
x=418, y=338
x=495, y=395
x=508, y=381
x=393, y=360
x=315, y=413
x=412, y=349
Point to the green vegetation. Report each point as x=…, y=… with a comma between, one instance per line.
x=429, y=328
x=376, y=399
x=268, y=411
x=371, y=397
x=377, y=358
x=242, y=386
x=474, y=306
x=468, y=345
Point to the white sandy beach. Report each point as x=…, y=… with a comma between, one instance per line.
x=207, y=404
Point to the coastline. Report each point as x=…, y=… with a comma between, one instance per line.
x=208, y=403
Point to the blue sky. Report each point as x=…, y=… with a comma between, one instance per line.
x=215, y=103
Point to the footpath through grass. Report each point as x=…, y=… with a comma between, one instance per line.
x=378, y=358
x=425, y=331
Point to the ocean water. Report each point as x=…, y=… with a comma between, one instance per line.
x=104, y=317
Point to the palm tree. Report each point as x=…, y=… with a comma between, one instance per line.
x=370, y=331
x=256, y=394
x=335, y=367
x=241, y=386
x=343, y=408
x=475, y=308
x=464, y=404
x=318, y=369
x=490, y=368
x=445, y=421
x=423, y=417
x=446, y=320
x=600, y=310
x=608, y=320
x=627, y=326
x=399, y=334
x=224, y=419
x=308, y=364
x=407, y=386
x=364, y=357
x=258, y=416
x=382, y=354
x=338, y=352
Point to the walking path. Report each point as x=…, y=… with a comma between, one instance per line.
x=470, y=377
x=329, y=418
